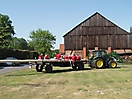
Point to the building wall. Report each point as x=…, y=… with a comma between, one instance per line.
x=61, y=49
x=97, y=31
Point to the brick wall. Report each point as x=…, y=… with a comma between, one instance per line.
x=83, y=53
x=61, y=49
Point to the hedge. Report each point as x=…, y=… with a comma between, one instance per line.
x=19, y=54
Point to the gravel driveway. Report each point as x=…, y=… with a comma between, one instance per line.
x=5, y=69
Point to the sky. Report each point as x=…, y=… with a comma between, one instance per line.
x=60, y=16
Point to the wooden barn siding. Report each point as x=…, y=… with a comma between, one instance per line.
x=129, y=37
x=97, y=20
x=102, y=39
x=97, y=31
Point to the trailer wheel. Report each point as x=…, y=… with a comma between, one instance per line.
x=80, y=66
x=99, y=63
x=74, y=67
x=112, y=64
x=48, y=68
x=39, y=68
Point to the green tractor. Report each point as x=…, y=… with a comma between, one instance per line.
x=100, y=59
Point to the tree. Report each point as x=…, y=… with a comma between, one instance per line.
x=131, y=29
x=54, y=52
x=19, y=43
x=6, y=31
x=42, y=41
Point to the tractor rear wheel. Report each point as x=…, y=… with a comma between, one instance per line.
x=99, y=63
x=112, y=64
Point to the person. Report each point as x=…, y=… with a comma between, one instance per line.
x=66, y=57
x=46, y=57
x=58, y=56
x=70, y=57
x=74, y=58
x=40, y=56
x=78, y=57
x=30, y=65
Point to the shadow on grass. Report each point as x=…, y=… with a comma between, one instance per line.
x=24, y=74
x=20, y=65
x=34, y=85
x=67, y=70
x=111, y=68
x=108, y=68
x=53, y=72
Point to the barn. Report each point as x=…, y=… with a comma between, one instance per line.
x=96, y=32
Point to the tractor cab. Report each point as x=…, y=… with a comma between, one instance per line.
x=98, y=53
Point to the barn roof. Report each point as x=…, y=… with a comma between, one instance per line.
x=93, y=16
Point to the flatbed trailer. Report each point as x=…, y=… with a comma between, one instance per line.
x=49, y=63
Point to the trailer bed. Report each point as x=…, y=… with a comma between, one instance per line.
x=49, y=63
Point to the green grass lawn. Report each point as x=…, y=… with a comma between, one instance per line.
x=64, y=83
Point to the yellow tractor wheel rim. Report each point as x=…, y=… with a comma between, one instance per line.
x=113, y=64
x=99, y=63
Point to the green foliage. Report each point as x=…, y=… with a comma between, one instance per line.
x=19, y=54
x=53, y=53
x=19, y=43
x=130, y=30
x=6, y=31
x=42, y=41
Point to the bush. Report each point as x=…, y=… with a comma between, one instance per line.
x=19, y=54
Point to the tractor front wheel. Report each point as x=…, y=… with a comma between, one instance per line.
x=99, y=63
x=112, y=64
